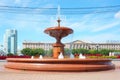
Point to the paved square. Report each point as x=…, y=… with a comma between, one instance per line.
x=9, y=74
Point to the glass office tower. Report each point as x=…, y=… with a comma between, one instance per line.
x=10, y=41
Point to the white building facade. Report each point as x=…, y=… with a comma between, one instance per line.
x=33, y=45
x=74, y=45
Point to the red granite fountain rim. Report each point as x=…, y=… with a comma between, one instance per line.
x=56, y=60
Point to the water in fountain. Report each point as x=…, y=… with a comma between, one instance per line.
x=81, y=56
x=61, y=56
x=71, y=56
x=32, y=57
x=58, y=12
x=40, y=57
x=110, y=53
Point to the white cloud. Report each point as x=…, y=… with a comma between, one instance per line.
x=91, y=22
x=81, y=23
x=17, y=1
x=117, y=15
x=103, y=37
x=2, y=4
x=38, y=10
x=107, y=26
x=22, y=3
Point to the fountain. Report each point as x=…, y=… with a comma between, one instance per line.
x=58, y=33
x=58, y=62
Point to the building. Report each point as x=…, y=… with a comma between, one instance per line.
x=10, y=41
x=32, y=45
x=2, y=53
x=89, y=45
x=74, y=45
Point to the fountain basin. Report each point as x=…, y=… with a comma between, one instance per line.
x=58, y=31
x=74, y=65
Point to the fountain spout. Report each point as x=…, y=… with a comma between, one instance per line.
x=58, y=22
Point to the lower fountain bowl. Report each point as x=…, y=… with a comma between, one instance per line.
x=73, y=65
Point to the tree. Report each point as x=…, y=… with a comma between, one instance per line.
x=48, y=53
x=83, y=51
x=92, y=51
x=33, y=52
x=67, y=51
x=105, y=51
x=10, y=54
x=26, y=51
x=74, y=51
x=38, y=51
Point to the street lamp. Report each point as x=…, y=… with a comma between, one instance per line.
x=97, y=47
x=89, y=47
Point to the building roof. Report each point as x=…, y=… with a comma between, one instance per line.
x=79, y=41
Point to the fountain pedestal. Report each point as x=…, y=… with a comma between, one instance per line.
x=57, y=49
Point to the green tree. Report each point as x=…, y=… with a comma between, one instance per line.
x=26, y=51
x=38, y=51
x=105, y=51
x=83, y=51
x=92, y=51
x=10, y=54
x=74, y=51
x=48, y=53
x=67, y=51
x=33, y=52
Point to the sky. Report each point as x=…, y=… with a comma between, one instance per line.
x=91, y=20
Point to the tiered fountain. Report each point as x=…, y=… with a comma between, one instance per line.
x=58, y=32
x=62, y=64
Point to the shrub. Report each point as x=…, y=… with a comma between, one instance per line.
x=10, y=54
x=33, y=52
x=26, y=51
x=118, y=56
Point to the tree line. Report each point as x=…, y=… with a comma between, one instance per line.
x=40, y=51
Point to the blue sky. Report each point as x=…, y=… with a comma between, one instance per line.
x=91, y=26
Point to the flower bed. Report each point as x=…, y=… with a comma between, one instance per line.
x=4, y=57
x=102, y=56
x=93, y=54
x=118, y=57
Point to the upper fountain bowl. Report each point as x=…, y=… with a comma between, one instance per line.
x=58, y=31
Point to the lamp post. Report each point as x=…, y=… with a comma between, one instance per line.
x=97, y=47
x=89, y=47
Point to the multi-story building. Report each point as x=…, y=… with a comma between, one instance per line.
x=10, y=41
x=89, y=45
x=74, y=45
x=32, y=45
x=2, y=53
